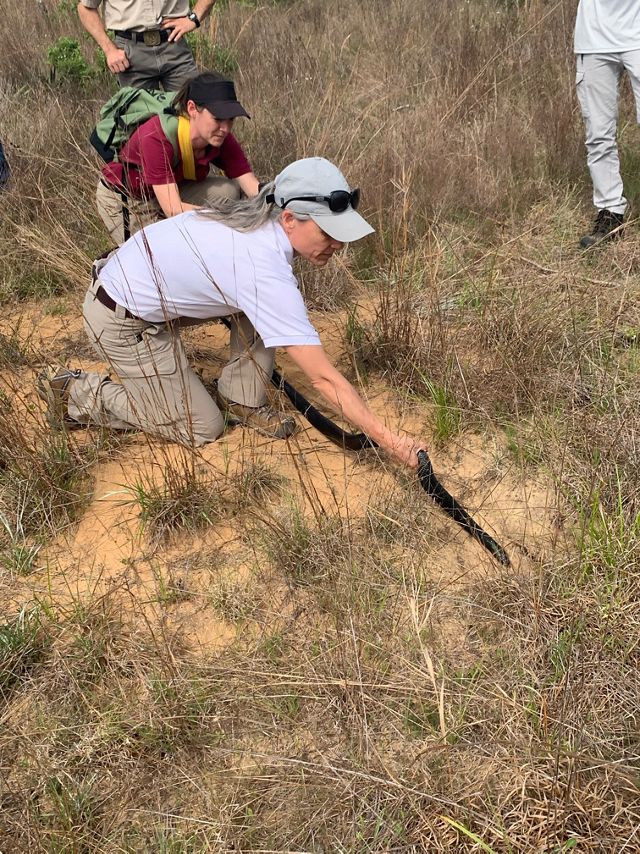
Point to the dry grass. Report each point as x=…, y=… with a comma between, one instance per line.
x=379, y=687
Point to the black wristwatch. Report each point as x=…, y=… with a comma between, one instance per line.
x=193, y=17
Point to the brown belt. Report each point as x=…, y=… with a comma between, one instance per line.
x=103, y=297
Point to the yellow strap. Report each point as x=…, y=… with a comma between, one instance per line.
x=186, y=149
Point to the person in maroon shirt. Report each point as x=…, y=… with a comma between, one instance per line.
x=152, y=180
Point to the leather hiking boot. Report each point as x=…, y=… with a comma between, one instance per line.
x=53, y=386
x=607, y=226
x=266, y=420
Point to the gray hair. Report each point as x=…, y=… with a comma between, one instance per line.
x=246, y=214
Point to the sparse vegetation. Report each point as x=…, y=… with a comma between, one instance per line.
x=176, y=499
x=23, y=642
x=208, y=54
x=44, y=481
x=256, y=481
x=299, y=651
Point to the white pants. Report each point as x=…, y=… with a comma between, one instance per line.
x=597, y=79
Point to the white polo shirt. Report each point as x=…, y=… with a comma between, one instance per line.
x=607, y=26
x=190, y=266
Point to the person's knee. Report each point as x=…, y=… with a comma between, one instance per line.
x=601, y=146
x=205, y=432
x=223, y=188
x=600, y=135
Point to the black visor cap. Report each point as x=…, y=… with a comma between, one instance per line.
x=219, y=98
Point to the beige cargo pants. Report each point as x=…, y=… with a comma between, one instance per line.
x=158, y=390
x=143, y=212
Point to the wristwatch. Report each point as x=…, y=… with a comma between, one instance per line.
x=193, y=17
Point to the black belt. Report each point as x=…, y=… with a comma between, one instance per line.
x=112, y=187
x=152, y=38
x=103, y=297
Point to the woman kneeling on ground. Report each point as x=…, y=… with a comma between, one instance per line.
x=232, y=261
x=150, y=181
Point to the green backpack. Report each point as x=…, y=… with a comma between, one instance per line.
x=126, y=111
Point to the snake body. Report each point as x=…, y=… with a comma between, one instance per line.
x=426, y=475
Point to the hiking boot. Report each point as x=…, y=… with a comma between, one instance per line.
x=53, y=386
x=264, y=419
x=607, y=226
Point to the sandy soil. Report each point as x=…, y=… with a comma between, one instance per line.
x=108, y=551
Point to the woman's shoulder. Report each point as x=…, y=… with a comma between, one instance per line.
x=270, y=242
x=262, y=245
x=148, y=142
x=149, y=131
x=151, y=128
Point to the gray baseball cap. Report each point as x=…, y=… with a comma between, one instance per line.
x=315, y=187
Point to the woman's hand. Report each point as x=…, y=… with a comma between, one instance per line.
x=405, y=450
x=249, y=184
x=168, y=196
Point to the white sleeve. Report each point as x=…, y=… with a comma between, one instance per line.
x=271, y=300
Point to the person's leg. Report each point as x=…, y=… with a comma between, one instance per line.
x=247, y=375
x=242, y=386
x=207, y=191
x=177, y=408
x=631, y=62
x=159, y=393
x=597, y=81
x=110, y=207
x=176, y=63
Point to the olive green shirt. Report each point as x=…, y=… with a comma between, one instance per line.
x=138, y=15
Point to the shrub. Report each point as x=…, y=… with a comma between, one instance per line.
x=67, y=64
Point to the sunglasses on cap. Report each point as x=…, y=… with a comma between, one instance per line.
x=338, y=200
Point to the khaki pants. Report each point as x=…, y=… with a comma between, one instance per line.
x=166, y=66
x=143, y=212
x=159, y=392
